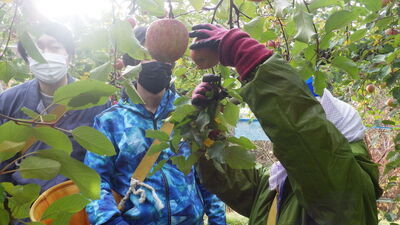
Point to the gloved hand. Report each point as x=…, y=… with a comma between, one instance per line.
x=207, y=91
x=235, y=47
x=117, y=221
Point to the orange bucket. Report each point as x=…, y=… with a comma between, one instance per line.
x=51, y=195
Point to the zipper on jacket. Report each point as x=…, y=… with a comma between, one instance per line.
x=165, y=181
x=167, y=196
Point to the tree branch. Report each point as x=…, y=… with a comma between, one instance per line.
x=170, y=14
x=240, y=12
x=230, y=21
x=215, y=10
x=9, y=32
x=316, y=36
x=283, y=34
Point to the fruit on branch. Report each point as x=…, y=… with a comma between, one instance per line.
x=370, y=88
x=204, y=58
x=391, y=31
x=119, y=64
x=167, y=40
x=132, y=21
x=390, y=102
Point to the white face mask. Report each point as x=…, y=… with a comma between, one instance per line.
x=52, y=71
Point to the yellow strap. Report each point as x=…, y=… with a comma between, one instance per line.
x=148, y=160
x=59, y=111
x=273, y=211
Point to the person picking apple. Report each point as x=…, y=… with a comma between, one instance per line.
x=324, y=175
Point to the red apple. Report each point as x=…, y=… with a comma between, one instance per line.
x=119, y=64
x=370, y=88
x=385, y=2
x=390, y=102
x=204, y=58
x=167, y=40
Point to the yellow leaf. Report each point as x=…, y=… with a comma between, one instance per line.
x=208, y=142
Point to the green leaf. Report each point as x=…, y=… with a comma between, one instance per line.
x=238, y=158
x=6, y=71
x=182, y=100
x=325, y=41
x=68, y=204
x=10, y=131
x=152, y=7
x=5, y=218
x=319, y=83
x=93, y=140
x=31, y=48
x=298, y=47
x=388, y=122
x=384, y=22
x=131, y=72
x=197, y=4
x=96, y=40
x=8, y=149
x=157, y=167
x=182, y=111
x=231, y=113
x=22, y=198
x=179, y=71
x=183, y=164
x=101, y=72
x=217, y=151
x=304, y=25
x=256, y=28
x=242, y=141
x=40, y=168
x=84, y=177
x=358, y=34
x=347, y=65
x=280, y=6
x=372, y=5
x=132, y=93
x=202, y=120
x=29, y=113
x=316, y=4
x=158, y=134
x=157, y=148
x=83, y=94
x=175, y=141
x=338, y=20
x=53, y=138
x=125, y=40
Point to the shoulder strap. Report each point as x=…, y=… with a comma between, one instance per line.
x=148, y=160
x=273, y=211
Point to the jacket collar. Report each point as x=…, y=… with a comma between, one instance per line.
x=166, y=106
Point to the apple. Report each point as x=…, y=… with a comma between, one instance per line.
x=119, y=64
x=390, y=102
x=167, y=40
x=132, y=21
x=370, y=88
x=204, y=58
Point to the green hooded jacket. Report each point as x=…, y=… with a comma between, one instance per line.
x=330, y=181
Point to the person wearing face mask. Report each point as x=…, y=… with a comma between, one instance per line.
x=57, y=47
x=171, y=197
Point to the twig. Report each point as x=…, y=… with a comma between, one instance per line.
x=230, y=21
x=283, y=34
x=186, y=13
x=215, y=10
x=171, y=14
x=316, y=36
x=9, y=32
x=26, y=121
x=240, y=12
x=15, y=160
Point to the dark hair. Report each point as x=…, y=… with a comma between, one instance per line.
x=140, y=34
x=61, y=33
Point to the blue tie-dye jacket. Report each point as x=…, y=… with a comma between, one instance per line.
x=185, y=201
